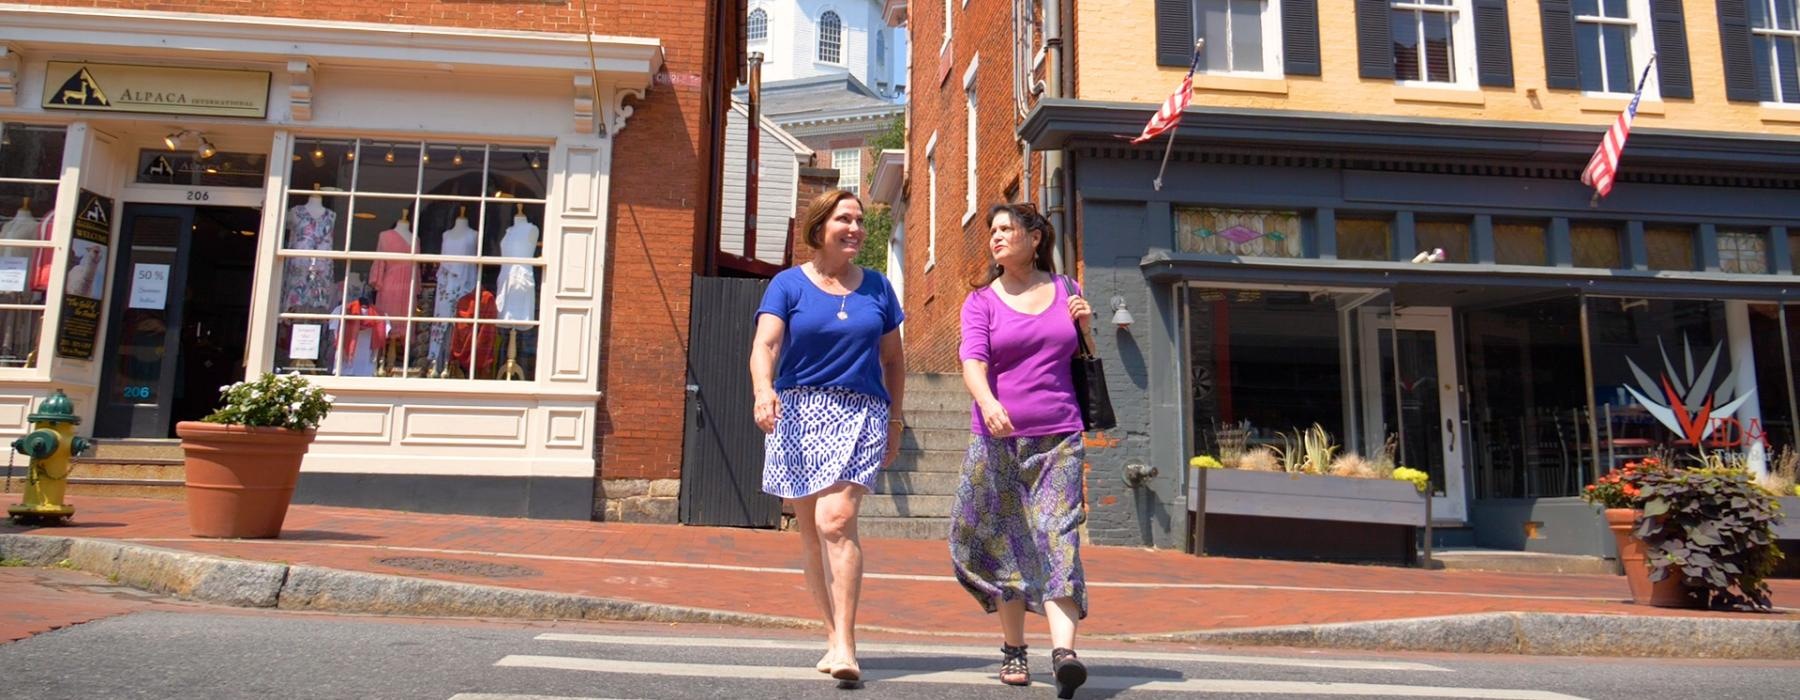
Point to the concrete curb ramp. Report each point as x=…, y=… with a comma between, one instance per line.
x=243, y=583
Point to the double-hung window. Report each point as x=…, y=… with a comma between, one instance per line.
x=848, y=162
x=31, y=160
x=1434, y=41
x=1775, y=40
x=1242, y=36
x=1612, y=39
x=831, y=38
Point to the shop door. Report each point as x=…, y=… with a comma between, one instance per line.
x=1410, y=364
x=179, y=314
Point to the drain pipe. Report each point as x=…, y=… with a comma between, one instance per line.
x=1055, y=181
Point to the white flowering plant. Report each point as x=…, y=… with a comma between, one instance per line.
x=273, y=401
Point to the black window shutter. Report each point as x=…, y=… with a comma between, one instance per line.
x=1493, y=44
x=1562, y=70
x=1300, y=37
x=1174, y=32
x=1734, y=41
x=1670, y=29
x=1374, y=39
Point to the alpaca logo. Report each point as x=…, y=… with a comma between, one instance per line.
x=1689, y=404
x=96, y=213
x=80, y=90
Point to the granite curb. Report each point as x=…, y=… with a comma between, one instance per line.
x=255, y=584
x=1530, y=633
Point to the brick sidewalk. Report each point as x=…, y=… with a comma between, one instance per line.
x=1132, y=591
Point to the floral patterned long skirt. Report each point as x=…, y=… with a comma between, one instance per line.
x=1016, y=530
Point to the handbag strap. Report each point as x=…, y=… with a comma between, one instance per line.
x=1085, y=348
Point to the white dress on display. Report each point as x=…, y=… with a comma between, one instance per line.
x=16, y=326
x=517, y=295
x=454, y=279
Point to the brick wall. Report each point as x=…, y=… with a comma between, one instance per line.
x=934, y=296
x=659, y=193
x=813, y=182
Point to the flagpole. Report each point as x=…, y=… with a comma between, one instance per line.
x=1193, y=66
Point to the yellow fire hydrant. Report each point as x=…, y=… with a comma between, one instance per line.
x=51, y=446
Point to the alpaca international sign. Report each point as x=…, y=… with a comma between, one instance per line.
x=109, y=87
x=84, y=286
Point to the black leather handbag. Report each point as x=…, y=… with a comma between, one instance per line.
x=1090, y=380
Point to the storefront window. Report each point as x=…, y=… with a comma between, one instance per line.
x=1450, y=236
x=1773, y=431
x=1669, y=248
x=1743, y=252
x=1364, y=238
x=409, y=259
x=30, y=167
x=1264, y=364
x=1256, y=233
x=1519, y=243
x=1596, y=245
x=1527, y=419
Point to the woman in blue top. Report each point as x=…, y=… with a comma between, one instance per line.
x=834, y=327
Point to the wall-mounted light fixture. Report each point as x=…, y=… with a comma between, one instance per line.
x=204, y=150
x=1121, y=316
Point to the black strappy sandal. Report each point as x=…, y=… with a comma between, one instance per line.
x=1014, y=669
x=1070, y=673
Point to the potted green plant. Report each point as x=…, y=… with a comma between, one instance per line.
x=1711, y=528
x=1621, y=501
x=244, y=459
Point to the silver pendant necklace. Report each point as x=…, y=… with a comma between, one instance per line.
x=843, y=315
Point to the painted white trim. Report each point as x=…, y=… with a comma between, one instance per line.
x=1271, y=45
x=28, y=27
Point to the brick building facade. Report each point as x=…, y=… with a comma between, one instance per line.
x=650, y=126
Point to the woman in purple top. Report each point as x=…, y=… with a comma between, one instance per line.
x=1015, y=535
x=829, y=406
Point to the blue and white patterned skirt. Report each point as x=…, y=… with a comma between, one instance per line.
x=825, y=435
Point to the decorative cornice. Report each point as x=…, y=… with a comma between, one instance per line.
x=9, y=75
x=1059, y=123
x=300, y=89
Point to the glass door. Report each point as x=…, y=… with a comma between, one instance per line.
x=1410, y=368
x=143, y=325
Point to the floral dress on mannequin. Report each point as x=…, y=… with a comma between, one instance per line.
x=309, y=282
x=454, y=279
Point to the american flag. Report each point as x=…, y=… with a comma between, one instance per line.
x=1169, y=116
x=1605, y=163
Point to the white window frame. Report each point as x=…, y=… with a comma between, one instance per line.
x=753, y=39
x=838, y=40
x=849, y=179
x=931, y=202
x=344, y=251
x=1773, y=58
x=1271, y=41
x=1638, y=19
x=31, y=248
x=1462, y=43
x=971, y=112
x=949, y=24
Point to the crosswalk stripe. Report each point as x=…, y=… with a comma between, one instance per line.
x=984, y=652
x=512, y=696
x=1117, y=683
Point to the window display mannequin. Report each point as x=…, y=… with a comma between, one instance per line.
x=17, y=340
x=367, y=335
x=517, y=298
x=393, y=280
x=454, y=279
x=309, y=286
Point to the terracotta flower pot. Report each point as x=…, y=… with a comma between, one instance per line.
x=1667, y=593
x=239, y=479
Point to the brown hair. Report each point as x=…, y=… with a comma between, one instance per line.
x=1025, y=216
x=818, y=211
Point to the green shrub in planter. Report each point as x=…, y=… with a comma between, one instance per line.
x=1713, y=527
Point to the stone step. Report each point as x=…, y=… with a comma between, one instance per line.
x=112, y=488
x=123, y=469
x=1477, y=559
x=938, y=419
x=928, y=382
x=892, y=482
x=111, y=449
x=941, y=461
x=935, y=439
x=937, y=402
x=904, y=528
x=890, y=506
